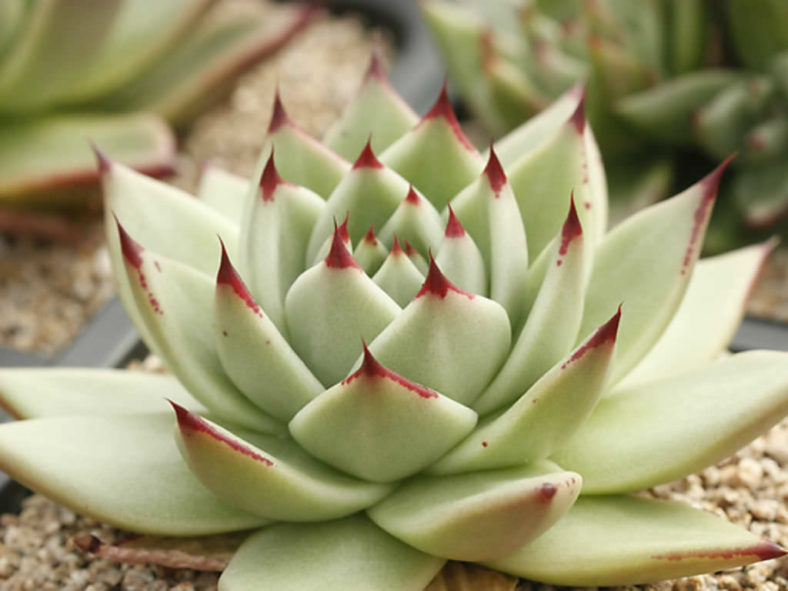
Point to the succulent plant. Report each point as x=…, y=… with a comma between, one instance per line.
x=400, y=351
x=661, y=85
x=117, y=72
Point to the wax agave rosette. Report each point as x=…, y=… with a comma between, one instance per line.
x=390, y=350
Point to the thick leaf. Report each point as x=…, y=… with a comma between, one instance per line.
x=477, y=516
x=398, y=276
x=708, y=315
x=255, y=355
x=651, y=433
x=351, y=554
x=380, y=426
x=370, y=253
x=415, y=221
x=646, y=263
x=435, y=156
x=223, y=191
x=267, y=475
x=630, y=540
x=378, y=114
x=446, y=339
x=34, y=393
x=42, y=159
x=545, y=417
x=460, y=259
x=125, y=471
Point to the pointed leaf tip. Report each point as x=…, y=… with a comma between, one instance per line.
x=376, y=71
x=370, y=237
x=102, y=161
x=494, y=172
x=367, y=158
x=339, y=257
x=766, y=550
x=131, y=249
x=571, y=228
x=711, y=182
x=578, y=117
x=396, y=248
x=409, y=249
x=437, y=284
x=605, y=334
x=270, y=179
x=194, y=423
x=443, y=109
x=412, y=197
x=371, y=368
x=279, y=116
x=343, y=231
x=228, y=275
x=454, y=228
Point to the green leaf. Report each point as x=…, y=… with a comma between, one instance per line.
x=398, y=276
x=606, y=541
x=460, y=259
x=223, y=191
x=415, y=221
x=125, y=471
x=477, y=516
x=380, y=426
x=708, y=315
x=268, y=475
x=350, y=554
x=646, y=434
x=370, y=253
x=44, y=160
x=34, y=393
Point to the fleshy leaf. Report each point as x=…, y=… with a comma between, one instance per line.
x=330, y=308
x=651, y=433
x=370, y=253
x=618, y=540
x=267, y=475
x=223, y=191
x=708, y=316
x=545, y=417
x=379, y=426
x=647, y=262
x=435, y=156
x=477, y=516
x=446, y=339
x=352, y=554
x=415, y=221
x=552, y=324
x=377, y=114
x=255, y=355
x=460, y=259
x=173, y=302
x=34, y=393
x=274, y=239
x=370, y=191
x=398, y=276
x=125, y=471
x=42, y=159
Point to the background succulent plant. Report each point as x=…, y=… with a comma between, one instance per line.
x=116, y=71
x=667, y=79
x=424, y=355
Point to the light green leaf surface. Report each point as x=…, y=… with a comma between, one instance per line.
x=370, y=253
x=652, y=433
x=619, y=540
x=223, y=191
x=460, y=259
x=399, y=277
x=351, y=554
x=125, y=471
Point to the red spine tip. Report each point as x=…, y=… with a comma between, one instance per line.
x=227, y=275
x=396, y=249
x=343, y=231
x=270, y=179
x=279, y=115
x=376, y=71
x=102, y=161
x=578, y=117
x=367, y=158
x=606, y=333
x=711, y=182
x=412, y=197
x=370, y=237
x=454, y=228
x=409, y=248
x=339, y=257
x=443, y=109
x=130, y=248
x=768, y=550
x=494, y=172
x=371, y=368
x=571, y=228
x=436, y=282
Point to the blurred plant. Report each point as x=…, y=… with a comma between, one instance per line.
x=690, y=76
x=116, y=72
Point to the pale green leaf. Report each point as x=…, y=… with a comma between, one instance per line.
x=225, y=192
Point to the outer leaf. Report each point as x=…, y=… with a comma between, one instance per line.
x=40, y=159
x=125, y=471
x=378, y=114
x=629, y=540
x=708, y=315
x=351, y=554
x=478, y=516
x=647, y=262
x=34, y=393
x=224, y=192
x=380, y=426
x=656, y=432
x=269, y=476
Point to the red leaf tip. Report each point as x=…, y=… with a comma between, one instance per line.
x=571, y=228
x=578, y=117
x=270, y=179
x=454, y=228
x=606, y=333
x=494, y=172
x=371, y=368
x=396, y=249
x=339, y=257
x=370, y=237
x=343, y=231
x=367, y=158
x=412, y=197
x=279, y=116
x=767, y=550
x=437, y=284
x=227, y=275
x=102, y=160
x=130, y=248
x=442, y=109
x=376, y=71
x=711, y=182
